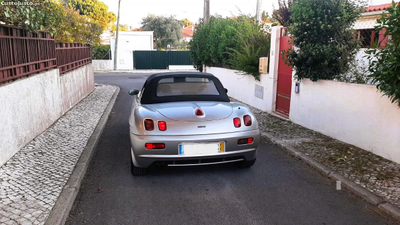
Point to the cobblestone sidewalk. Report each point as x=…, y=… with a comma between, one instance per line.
x=378, y=175
x=32, y=180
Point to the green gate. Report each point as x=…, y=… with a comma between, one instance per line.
x=150, y=60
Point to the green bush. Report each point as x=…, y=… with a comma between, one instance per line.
x=322, y=33
x=385, y=62
x=212, y=42
x=251, y=46
x=231, y=43
x=101, y=52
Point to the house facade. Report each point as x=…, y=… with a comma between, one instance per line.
x=187, y=33
x=365, y=26
x=128, y=42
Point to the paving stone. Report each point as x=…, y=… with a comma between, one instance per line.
x=32, y=180
x=4, y=219
x=11, y=222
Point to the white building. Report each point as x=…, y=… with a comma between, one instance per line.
x=105, y=38
x=128, y=42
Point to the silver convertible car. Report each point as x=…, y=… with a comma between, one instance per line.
x=187, y=119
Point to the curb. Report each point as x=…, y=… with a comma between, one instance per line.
x=370, y=197
x=65, y=201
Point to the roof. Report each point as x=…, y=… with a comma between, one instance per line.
x=374, y=8
x=187, y=31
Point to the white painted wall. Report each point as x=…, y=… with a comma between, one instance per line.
x=181, y=67
x=99, y=65
x=129, y=41
x=367, y=22
x=242, y=87
x=30, y=105
x=353, y=113
x=361, y=58
x=76, y=85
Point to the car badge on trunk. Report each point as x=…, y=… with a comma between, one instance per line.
x=199, y=112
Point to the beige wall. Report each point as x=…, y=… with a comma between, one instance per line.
x=30, y=105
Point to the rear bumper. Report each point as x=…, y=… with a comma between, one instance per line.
x=142, y=157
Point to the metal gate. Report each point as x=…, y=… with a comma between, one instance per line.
x=160, y=59
x=284, y=78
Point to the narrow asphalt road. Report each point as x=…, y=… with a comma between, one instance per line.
x=278, y=189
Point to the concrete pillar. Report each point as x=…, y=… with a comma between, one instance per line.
x=273, y=69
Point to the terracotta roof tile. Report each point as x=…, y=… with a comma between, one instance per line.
x=374, y=8
x=187, y=31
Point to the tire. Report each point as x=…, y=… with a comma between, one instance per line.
x=247, y=164
x=138, y=171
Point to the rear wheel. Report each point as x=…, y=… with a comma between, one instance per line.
x=138, y=171
x=247, y=164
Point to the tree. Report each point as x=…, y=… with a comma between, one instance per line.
x=122, y=27
x=265, y=17
x=93, y=9
x=212, y=43
x=252, y=45
x=385, y=62
x=167, y=30
x=282, y=14
x=75, y=28
x=66, y=24
x=232, y=43
x=186, y=22
x=101, y=52
x=322, y=34
x=38, y=15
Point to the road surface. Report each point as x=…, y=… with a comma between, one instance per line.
x=278, y=189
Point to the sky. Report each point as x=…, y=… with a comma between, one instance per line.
x=132, y=11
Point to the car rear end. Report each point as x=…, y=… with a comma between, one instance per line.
x=163, y=138
x=188, y=120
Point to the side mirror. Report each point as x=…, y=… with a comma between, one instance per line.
x=133, y=92
x=226, y=90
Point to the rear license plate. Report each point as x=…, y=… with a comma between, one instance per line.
x=201, y=148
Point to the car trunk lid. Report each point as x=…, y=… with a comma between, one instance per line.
x=186, y=111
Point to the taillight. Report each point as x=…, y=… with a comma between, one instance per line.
x=247, y=120
x=148, y=124
x=245, y=141
x=162, y=125
x=236, y=122
x=154, y=146
x=199, y=112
